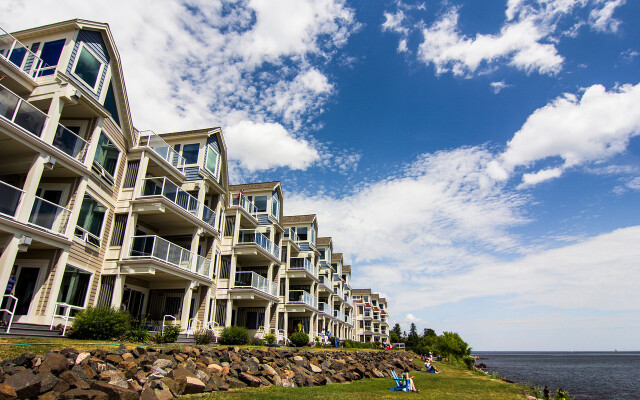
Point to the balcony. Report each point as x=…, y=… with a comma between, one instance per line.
x=348, y=320
x=255, y=281
x=15, y=109
x=251, y=236
x=163, y=187
x=325, y=308
x=336, y=278
x=24, y=60
x=152, y=141
x=49, y=216
x=338, y=292
x=301, y=296
x=303, y=263
x=157, y=248
x=10, y=199
x=244, y=203
x=87, y=236
x=348, y=300
x=338, y=315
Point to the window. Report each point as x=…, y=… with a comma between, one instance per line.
x=119, y=227
x=213, y=162
x=302, y=233
x=110, y=104
x=190, y=153
x=74, y=286
x=261, y=203
x=274, y=206
x=88, y=67
x=17, y=56
x=322, y=253
x=106, y=158
x=90, y=219
x=50, y=55
x=313, y=234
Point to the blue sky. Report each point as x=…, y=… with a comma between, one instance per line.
x=476, y=161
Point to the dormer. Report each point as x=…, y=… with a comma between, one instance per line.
x=302, y=229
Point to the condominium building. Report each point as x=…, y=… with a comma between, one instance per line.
x=94, y=212
x=371, y=318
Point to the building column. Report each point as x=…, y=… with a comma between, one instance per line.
x=77, y=204
x=31, y=184
x=229, y=311
x=129, y=232
x=58, y=272
x=286, y=323
x=7, y=260
x=55, y=109
x=93, y=139
x=207, y=304
x=186, y=305
x=267, y=317
x=118, y=290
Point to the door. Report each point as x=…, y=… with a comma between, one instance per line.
x=26, y=280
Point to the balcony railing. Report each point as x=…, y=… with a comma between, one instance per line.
x=256, y=237
x=336, y=277
x=288, y=233
x=339, y=315
x=301, y=262
x=22, y=113
x=157, y=248
x=348, y=320
x=87, y=236
x=338, y=291
x=152, y=187
x=49, y=216
x=301, y=296
x=348, y=300
x=151, y=140
x=325, y=308
x=243, y=202
x=250, y=279
x=19, y=55
x=10, y=199
x=325, y=281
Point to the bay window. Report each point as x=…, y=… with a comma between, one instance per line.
x=106, y=158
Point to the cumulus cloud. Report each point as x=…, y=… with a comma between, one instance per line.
x=497, y=87
x=192, y=64
x=526, y=40
x=574, y=130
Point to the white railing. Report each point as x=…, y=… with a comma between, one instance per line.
x=288, y=233
x=65, y=315
x=348, y=320
x=338, y=315
x=22, y=113
x=70, y=143
x=302, y=296
x=325, y=308
x=151, y=140
x=100, y=170
x=150, y=246
x=256, y=237
x=11, y=310
x=193, y=325
x=243, y=202
x=10, y=199
x=255, y=281
x=19, y=55
x=301, y=262
x=325, y=281
x=215, y=328
x=87, y=236
x=348, y=300
x=164, y=322
x=338, y=291
x=49, y=216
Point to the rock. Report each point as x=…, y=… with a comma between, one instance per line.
x=234, y=383
x=315, y=368
x=163, y=364
x=114, y=359
x=54, y=363
x=84, y=356
x=176, y=387
x=50, y=396
x=115, y=392
x=84, y=394
x=25, y=384
x=47, y=381
x=194, y=386
x=73, y=379
x=7, y=392
x=249, y=379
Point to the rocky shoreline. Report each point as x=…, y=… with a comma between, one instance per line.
x=160, y=374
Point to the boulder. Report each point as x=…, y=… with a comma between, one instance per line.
x=115, y=392
x=24, y=383
x=74, y=379
x=7, y=392
x=194, y=386
x=84, y=394
x=55, y=363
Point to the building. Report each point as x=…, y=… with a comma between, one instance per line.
x=371, y=318
x=94, y=212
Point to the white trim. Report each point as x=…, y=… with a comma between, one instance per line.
x=94, y=89
x=37, y=293
x=102, y=224
x=84, y=269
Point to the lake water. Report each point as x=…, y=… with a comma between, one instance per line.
x=586, y=375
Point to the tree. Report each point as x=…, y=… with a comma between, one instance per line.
x=450, y=344
x=396, y=334
x=428, y=333
x=413, y=340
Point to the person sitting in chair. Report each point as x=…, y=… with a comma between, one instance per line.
x=410, y=385
x=431, y=368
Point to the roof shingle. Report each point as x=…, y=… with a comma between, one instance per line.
x=293, y=219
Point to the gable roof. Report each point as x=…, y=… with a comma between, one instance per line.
x=255, y=186
x=361, y=291
x=346, y=269
x=335, y=257
x=323, y=241
x=291, y=219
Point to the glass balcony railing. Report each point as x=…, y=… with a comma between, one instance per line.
x=288, y=233
x=348, y=300
x=250, y=279
x=348, y=320
x=153, y=187
x=10, y=199
x=12, y=50
x=49, y=216
x=254, y=237
x=303, y=263
x=339, y=315
x=160, y=249
x=87, y=236
x=243, y=202
x=325, y=308
x=22, y=113
x=301, y=296
x=338, y=292
x=151, y=140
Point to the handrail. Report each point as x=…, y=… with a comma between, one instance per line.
x=43, y=220
x=66, y=316
x=22, y=113
x=87, y=236
x=306, y=264
x=37, y=65
x=257, y=237
x=255, y=281
x=13, y=310
x=190, y=325
x=155, y=247
x=10, y=199
x=242, y=202
x=302, y=296
x=163, y=322
x=70, y=143
x=161, y=148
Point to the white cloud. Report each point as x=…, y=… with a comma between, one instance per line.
x=198, y=63
x=602, y=19
x=577, y=130
x=393, y=22
x=498, y=86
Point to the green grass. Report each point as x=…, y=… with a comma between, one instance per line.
x=453, y=383
x=32, y=345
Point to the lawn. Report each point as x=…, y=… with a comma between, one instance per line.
x=38, y=346
x=453, y=383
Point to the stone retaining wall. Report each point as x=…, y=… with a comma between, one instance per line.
x=160, y=374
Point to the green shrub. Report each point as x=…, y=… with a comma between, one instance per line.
x=169, y=334
x=139, y=332
x=234, y=335
x=299, y=339
x=270, y=339
x=204, y=336
x=469, y=361
x=101, y=323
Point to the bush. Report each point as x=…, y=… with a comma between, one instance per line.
x=469, y=361
x=168, y=335
x=234, y=335
x=204, y=336
x=101, y=323
x=139, y=332
x=352, y=344
x=299, y=339
x=270, y=340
